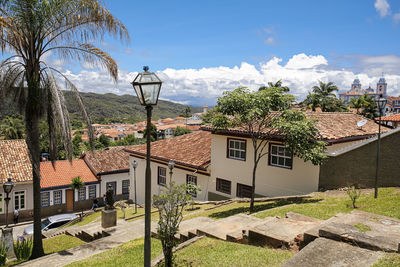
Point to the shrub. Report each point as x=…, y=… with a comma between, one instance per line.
x=353, y=193
x=23, y=248
x=3, y=253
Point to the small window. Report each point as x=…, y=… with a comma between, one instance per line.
x=280, y=156
x=236, y=149
x=243, y=190
x=125, y=187
x=224, y=186
x=92, y=191
x=57, y=195
x=45, y=199
x=191, y=179
x=162, y=176
x=82, y=194
x=19, y=200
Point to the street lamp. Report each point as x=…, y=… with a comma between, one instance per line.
x=381, y=103
x=7, y=187
x=147, y=86
x=171, y=165
x=134, y=165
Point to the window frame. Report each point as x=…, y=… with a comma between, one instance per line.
x=159, y=177
x=218, y=186
x=127, y=188
x=19, y=199
x=41, y=199
x=188, y=176
x=54, y=197
x=239, y=185
x=79, y=194
x=95, y=191
x=270, y=155
x=228, y=148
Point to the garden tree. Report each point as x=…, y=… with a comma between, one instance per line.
x=153, y=133
x=357, y=103
x=76, y=145
x=127, y=141
x=335, y=105
x=181, y=131
x=104, y=140
x=312, y=101
x=170, y=203
x=76, y=185
x=12, y=128
x=277, y=84
x=33, y=32
x=45, y=144
x=265, y=115
x=365, y=106
x=207, y=117
x=325, y=94
x=186, y=114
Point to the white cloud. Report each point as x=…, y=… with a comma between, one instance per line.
x=205, y=85
x=383, y=7
x=396, y=17
x=269, y=41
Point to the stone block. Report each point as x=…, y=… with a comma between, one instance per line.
x=108, y=218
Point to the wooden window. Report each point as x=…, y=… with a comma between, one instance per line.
x=82, y=194
x=224, y=186
x=243, y=190
x=236, y=149
x=191, y=179
x=45, y=199
x=92, y=191
x=19, y=200
x=57, y=197
x=162, y=176
x=280, y=156
x=125, y=187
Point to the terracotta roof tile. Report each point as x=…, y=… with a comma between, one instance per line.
x=112, y=159
x=192, y=149
x=63, y=172
x=394, y=117
x=14, y=161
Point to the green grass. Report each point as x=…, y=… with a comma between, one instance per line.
x=324, y=207
x=59, y=243
x=128, y=254
x=362, y=227
x=390, y=260
x=213, y=252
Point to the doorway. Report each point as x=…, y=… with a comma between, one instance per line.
x=70, y=199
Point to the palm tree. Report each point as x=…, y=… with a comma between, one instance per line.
x=357, y=103
x=312, y=101
x=277, y=84
x=32, y=31
x=12, y=128
x=76, y=185
x=325, y=91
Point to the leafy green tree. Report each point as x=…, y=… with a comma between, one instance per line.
x=365, y=106
x=104, y=140
x=76, y=145
x=33, y=32
x=257, y=113
x=12, y=128
x=312, y=101
x=207, y=117
x=325, y=93
x=76, y=185
x=170, y=203
x=277, y=84
x=181, y=131
x=127, y=141
x=153, y=133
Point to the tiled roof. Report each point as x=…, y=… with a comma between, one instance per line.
x=110, y=160
x=192, y=149
x=394, y=117
x=14, y=161
x=63, y=172
x=333, y=126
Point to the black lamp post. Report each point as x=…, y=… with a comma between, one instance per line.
x=381, y=103
x=147, y=86
x=134, y=165
x=171, y=165
x=7, y=187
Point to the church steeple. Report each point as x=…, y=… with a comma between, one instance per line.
x=381, y=87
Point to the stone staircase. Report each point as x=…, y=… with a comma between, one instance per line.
x=89, y=233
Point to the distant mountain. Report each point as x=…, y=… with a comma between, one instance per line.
x=111, y=107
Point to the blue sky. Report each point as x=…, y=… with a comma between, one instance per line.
x=202, y=48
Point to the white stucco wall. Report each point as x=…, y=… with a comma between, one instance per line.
x=179, y=176
x=117, y=177
x=27, y=188
x=270, y=180
x=76, y=193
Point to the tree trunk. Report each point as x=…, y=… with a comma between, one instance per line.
x=32, y=118
x=253, y=183
x=168, y=256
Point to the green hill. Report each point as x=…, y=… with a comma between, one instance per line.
x=111, y=108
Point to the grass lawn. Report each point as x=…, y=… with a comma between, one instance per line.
x=213, y=252
x=128, y=254
x=390, y=260
x=59, y=243
x=323, y=206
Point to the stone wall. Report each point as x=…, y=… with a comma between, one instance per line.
x=358, y=166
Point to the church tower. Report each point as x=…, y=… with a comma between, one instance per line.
x=356, y=86
x=381, y=87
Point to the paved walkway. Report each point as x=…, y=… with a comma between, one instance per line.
x=124, y=232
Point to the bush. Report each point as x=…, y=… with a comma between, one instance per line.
x=3, y=254
x=23, y=248
x=353, y=193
